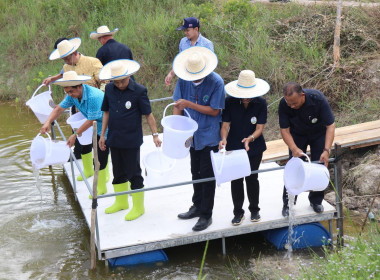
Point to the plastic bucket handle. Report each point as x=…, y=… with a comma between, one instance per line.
x=307, y=157
x=50, y=147
x=174, y=104
x=224, y=156
x=38, y=90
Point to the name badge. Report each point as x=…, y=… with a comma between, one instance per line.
x=128, y=105
x=253, y=120
x=314, y=120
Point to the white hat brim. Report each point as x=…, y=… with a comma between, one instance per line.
x=179, y=63
x=105, y=72
x=94, y=35
x=261, y=88
x=70, y=83
x=76, y=43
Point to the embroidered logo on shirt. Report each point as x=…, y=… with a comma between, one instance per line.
x=205, y=98
x=253, y=120
x=314, y=120
x=128, y=105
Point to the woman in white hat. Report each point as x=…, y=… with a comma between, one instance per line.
x=88, y=101
x=125, y=102
x=244, y=118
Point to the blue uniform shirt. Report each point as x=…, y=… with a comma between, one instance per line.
x=209, y=93
x=201, y=42
x=243, y=123
x=125, y=110
x=311, y=119
x=89, y=105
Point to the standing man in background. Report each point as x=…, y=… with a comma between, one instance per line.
x=192, y=37
x=306, y=119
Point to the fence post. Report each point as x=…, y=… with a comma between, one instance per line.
x=339, y=193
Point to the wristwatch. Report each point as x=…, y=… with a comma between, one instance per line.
x=155, y=134
x=327, y=150
x=253, y=138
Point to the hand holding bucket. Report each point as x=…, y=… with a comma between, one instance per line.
x=178, y=133
x=300, y=176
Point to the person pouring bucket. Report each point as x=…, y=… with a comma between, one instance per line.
x=125, y=101
x=244, y=118
x=88, y=100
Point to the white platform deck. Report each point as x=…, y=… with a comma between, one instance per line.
x=160, y=228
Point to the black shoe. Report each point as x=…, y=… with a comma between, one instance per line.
x=318, y=208
x=255, y=216
x=192, y=213
x=285, y=211
x=237, y=220
x=202, y=224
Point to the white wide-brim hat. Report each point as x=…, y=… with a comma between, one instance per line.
x=65, y=48
x=247, y=86
x=118, y=69
x=194, y=63
x=102, y=31
x=71, y=78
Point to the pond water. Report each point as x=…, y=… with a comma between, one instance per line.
x=44, y=234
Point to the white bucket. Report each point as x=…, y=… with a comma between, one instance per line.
x=230, y=165
x=158, y=168
x=44, y=152
x=178, y=134
x=300, y=176
x=76, y=122
x=42, y=104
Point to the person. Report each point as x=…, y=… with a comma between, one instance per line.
x=125, y=102
x=306, y=119
x=200, y=91
x=51, y=79
x=192, y=37
x=88, y=100
x=243, y=122
x=110, y=49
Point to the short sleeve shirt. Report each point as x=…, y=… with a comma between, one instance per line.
x=201, y=42
x=86, y=65
x=89, y=105
x=209, y=93
x=311, y=119
x=125, y=114
x=113, y=50
x=243, y=123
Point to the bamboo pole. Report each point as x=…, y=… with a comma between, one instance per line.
x=339, y=193
x=94, y=195
x=336, y=47
x=370, y=208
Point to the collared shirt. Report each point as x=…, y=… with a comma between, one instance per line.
x=125, y=113
x=86, y=65
x=113, y=50
x=89, y=105
x=209, y=93
x=311, y=119
x=243, y=123
x=201, y=42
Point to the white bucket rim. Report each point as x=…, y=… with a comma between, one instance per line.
x=159, y=170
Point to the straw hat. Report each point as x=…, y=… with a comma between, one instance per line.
x=247, y=86
x=71, y=78
x=65, y=48
x=194, y=63
x=118, y=69
x=102, y=31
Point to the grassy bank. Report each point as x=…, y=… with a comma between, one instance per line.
x=279, y=42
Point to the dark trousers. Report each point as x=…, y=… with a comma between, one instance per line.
x=253, y=188
x=317, y=145
x=126, y=167
x=201, y=167
x=102, y=155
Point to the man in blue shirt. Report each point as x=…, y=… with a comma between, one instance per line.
x=88, y=100
x=125, y=102
x=192, y=38
x=200, y=91
x=306, y=118
x=243, y=122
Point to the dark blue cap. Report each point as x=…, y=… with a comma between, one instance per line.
x=190, y=22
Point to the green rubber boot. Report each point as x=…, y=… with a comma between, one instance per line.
x=88, y=168
x=102, y=186
x=138, y=207
x=121, y=201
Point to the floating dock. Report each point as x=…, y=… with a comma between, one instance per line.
x=159, y=227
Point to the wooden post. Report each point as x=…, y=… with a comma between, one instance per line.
x=94, y=195
x=336, y=47
x=339, y=193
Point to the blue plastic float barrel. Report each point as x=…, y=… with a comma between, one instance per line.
x=140, y=258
